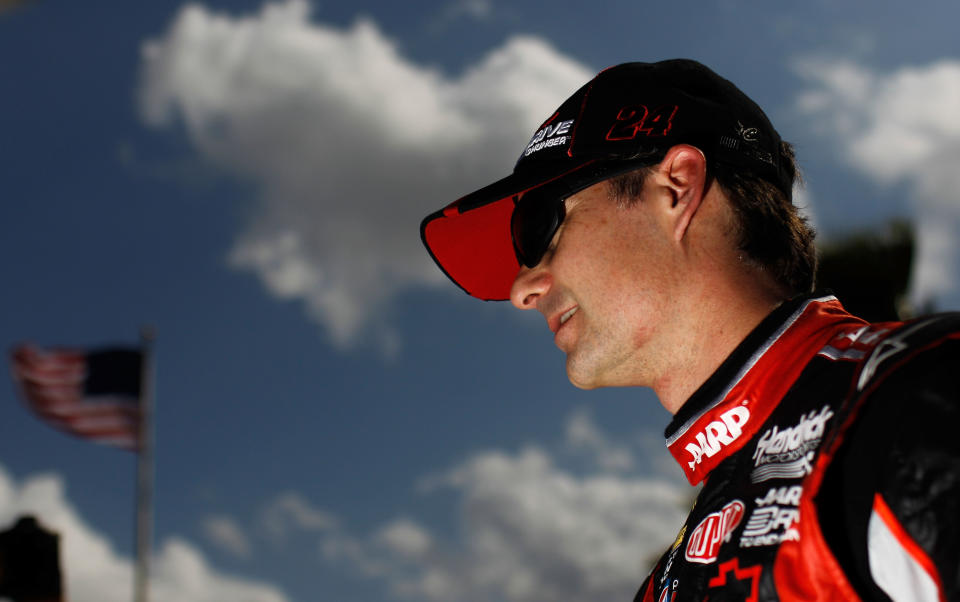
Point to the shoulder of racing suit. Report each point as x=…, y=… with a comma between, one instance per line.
x=889, y=501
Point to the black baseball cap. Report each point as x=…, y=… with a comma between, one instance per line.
x=626, y=117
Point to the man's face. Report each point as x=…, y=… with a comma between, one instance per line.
x=604, y=287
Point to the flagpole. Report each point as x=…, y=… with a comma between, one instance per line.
x=144, y=498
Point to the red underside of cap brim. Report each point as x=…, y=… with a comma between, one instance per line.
x=474, y=248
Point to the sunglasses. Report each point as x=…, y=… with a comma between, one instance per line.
x=536, y=217
x=537, y=213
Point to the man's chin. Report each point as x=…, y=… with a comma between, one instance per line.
x=594, y=371
x=578, y=379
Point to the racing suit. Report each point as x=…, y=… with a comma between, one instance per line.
x=829, y=452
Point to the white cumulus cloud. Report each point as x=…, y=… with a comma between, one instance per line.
x=349, y=143
x=182, y=573
x=94, y=572
x=901, y=128
x=529, y=529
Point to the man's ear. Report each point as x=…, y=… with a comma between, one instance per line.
x=684, y=170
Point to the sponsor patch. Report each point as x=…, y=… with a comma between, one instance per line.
x=887, y=349
x=673, y=555
x=774, y=519
x=737, y=583
x=713, y=530
x=717, y=435
x=549, y=136
x=854, y=344
x=789, y=453
x=669, y=594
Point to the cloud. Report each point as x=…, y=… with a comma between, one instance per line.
x=530, y=530
x=292, y=512
x=582, y=433
x=900, y=128
x=805, y=203
x=94, y=572
x=406, y=539
x=349, y=143
x=182, y=573
x=227, y=535
x=473, y=10
x=477, y=9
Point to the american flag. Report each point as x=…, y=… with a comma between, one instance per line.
x=94, y=394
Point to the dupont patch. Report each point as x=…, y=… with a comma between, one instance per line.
x=715, y=529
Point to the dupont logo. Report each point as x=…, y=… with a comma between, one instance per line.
x=717, y=434
x=705, y=540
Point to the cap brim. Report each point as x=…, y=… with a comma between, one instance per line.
x=470, y=240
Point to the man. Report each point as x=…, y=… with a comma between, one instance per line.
x=650, y=221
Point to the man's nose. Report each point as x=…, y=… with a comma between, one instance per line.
x=529, y=285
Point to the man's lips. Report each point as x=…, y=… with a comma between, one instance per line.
x=558, y=320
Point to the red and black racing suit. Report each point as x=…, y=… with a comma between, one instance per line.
x=829, y=450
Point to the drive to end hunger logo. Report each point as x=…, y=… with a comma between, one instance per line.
x=774, y=518
x=548, y=136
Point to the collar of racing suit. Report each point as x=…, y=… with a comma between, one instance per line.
x=733, y=404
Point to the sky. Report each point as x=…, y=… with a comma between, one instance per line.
x=334, y=420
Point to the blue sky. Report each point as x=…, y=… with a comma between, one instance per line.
x=334, y=420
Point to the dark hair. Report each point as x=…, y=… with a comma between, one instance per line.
x=769, y=228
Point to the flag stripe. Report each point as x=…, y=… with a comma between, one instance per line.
x=49, y=374
x=92, y=394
